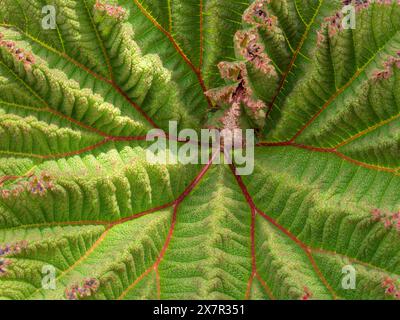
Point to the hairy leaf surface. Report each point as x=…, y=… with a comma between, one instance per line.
x=77, y=193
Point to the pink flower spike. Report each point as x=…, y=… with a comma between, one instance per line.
x=387, y=281
x=390, y=290
x=376, y=213
x=387, y=223
x=307, y=294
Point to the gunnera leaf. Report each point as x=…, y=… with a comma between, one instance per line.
x=317, y=219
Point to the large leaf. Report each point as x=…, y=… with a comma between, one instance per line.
x=78, y=194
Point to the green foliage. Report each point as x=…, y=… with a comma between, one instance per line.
x=76, y=190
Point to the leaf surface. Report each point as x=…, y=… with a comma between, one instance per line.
x=78, y=194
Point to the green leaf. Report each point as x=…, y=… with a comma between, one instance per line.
x=80, y=201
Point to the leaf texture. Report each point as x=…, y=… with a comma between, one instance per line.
x=77, y=192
